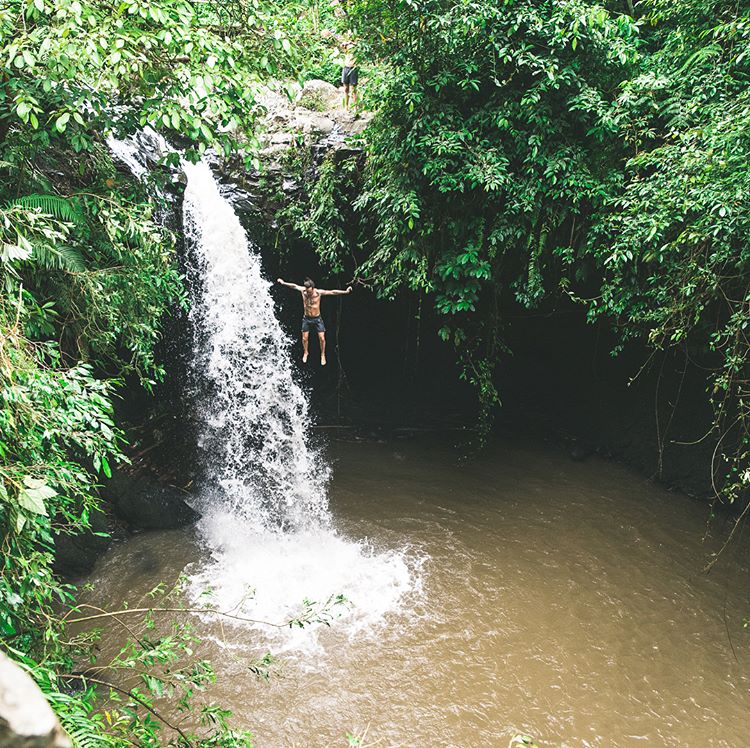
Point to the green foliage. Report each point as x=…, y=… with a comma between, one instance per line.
x=52, y=420
x=61, y=208
x=87, y=276
x=527, y=151
x=325, y=219
x=671, y=246
x=151, y=692
x=185, y=67
x=492, y=143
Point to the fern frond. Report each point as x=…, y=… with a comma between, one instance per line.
x=699, y=56
x=87, y=736
x=49, y=257
x=75, y=712
x=63, y=208
x=671, y=110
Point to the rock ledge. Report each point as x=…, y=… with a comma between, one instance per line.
x=26, y=719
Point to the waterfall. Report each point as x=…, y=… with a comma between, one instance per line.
x=140, y=151
x=265, y=527
x=255, y=417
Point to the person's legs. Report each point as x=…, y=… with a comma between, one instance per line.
x=322, y=339
x=346, y=95
x=353, y=80
x=305, y=340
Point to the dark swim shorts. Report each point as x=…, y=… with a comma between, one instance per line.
x=313, y=323
x=350, y=76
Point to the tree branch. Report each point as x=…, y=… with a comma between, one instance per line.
x=136, y=698
x=115, y=613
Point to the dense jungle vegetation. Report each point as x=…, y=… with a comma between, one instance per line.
x=525, y=150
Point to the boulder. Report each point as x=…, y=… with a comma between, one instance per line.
x=358, y=124
x=26, y=719
x=313, y=124
x=319, y=96
x=145, y=504
x=281, y=138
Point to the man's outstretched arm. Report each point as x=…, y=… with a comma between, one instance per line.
x=290, y=285
x=335, y=292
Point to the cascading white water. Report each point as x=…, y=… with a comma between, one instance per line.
x=264, y=501
x=139, y=151
x=261, y=465
x=263, y=498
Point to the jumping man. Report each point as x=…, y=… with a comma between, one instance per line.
x=312, y=319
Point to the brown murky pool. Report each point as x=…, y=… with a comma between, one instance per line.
x=519, y=593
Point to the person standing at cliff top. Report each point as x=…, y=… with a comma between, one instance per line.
x=349, y=68
x=349, y=74
x=312, y=319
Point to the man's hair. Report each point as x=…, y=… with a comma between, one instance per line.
x=309, y=283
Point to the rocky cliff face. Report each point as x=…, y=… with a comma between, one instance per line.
x=294, y=135
x=316, y=118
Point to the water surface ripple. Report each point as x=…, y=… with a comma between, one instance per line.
x=560, y=599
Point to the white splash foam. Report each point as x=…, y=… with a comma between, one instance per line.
x=267, y=576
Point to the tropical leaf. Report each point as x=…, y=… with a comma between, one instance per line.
x=12, y=252
x=63, y=208
x=50, y=257
x=698, y=58
x=33, y=494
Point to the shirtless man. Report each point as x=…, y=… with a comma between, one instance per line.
x=312, y=319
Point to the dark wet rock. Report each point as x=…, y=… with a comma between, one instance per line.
x=26, y=719
x=580, y=451
x=339, y=153
x=76, y=554
x=146, y=504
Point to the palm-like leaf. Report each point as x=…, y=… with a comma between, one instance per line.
x=50, y=257
x=63, y=208
x=46, y=253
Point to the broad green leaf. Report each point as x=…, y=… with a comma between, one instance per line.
x=62, y=121
x=33, y=494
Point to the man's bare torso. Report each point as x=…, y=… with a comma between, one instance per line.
x=311, y=302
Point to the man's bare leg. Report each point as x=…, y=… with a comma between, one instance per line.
x=305, y=340
x=346, y=95
x=355, y=100
x=322, y=339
